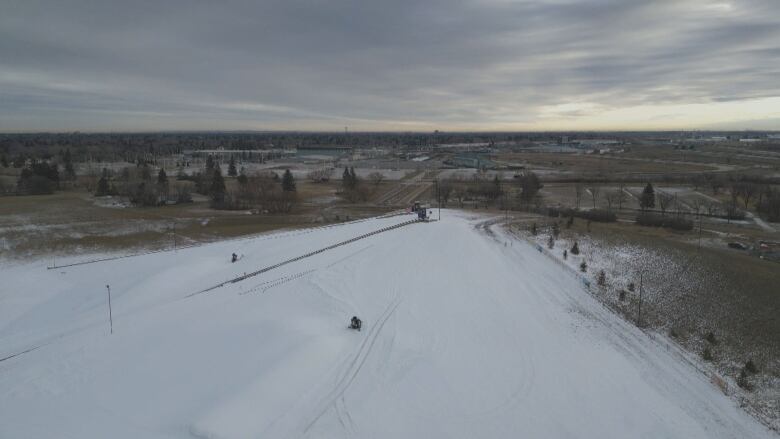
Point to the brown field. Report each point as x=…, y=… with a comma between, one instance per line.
x=603, y=164
x=73, y=222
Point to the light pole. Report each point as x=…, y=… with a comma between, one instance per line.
x=110, y=318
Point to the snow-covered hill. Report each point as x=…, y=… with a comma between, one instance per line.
x=467, y=333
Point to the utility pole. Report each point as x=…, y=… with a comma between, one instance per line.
x=506, y=207
x=639, y=314
x=110, y=318
x=438, y=196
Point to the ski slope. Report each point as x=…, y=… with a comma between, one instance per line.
x=466, y=334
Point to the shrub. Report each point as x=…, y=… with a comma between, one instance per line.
x=183, y=195
x=711, y=338
x=675, y=223
x=631, y=287
x=601, y=280
x=583, y=267
x=598, y=215
x=707, y=354
x=622, y=295
x=750, y=367
x=743, y=382
x=734, y=213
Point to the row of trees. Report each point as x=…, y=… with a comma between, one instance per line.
x=481, y=189
x=138, y=186
x=263, y=191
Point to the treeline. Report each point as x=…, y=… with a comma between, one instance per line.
x=140, y=187
x=108, y=146
x=522, y=192
x=39, y=177
x=264, y=191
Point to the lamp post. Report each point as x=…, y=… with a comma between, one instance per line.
x=110, y=318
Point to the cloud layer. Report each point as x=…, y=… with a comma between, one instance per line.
x=396, y=65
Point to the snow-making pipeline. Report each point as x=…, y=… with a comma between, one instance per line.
x=307, y=255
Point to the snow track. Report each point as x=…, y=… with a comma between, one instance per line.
x=467, y=333
x=335, y=399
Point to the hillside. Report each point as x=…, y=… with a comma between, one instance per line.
x=467, y=333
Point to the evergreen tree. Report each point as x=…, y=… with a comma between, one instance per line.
x=495, y=191
x=602, y=278
x=565, y=254
x=346, y=179
x=217, y=189
x=583, y=266
x=551, y=242
x=529, y=187
x=102, y=187
x=575, y=249
x=70, y=173
x=146, y=173
x=533, y=229
x=232, y=167
x=162, y=178
x=210, y=165
x=288, y=182
x=647, y=200
x=353, y=178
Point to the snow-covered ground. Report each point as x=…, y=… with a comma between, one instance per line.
x=467, y=333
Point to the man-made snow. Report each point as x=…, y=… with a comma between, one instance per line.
x=466, y=333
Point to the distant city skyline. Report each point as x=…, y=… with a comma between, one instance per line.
x=488, y=65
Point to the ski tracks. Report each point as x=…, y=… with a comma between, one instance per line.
x=335, y=398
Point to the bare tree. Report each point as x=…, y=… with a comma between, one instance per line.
x=445, y=190
x=376, y=178
x=698, y=205
x=712, y=207
x=594, y=194
x=320, y=175
x=747, y=191
x=613, y=197
x=735, y=190
x=621, y=196
x=664, y=201
x=578, y=189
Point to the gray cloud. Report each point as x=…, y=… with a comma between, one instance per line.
x=187, y=64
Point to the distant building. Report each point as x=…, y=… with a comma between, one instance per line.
x=476, y=161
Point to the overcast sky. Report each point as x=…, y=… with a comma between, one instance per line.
x=417, y=65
